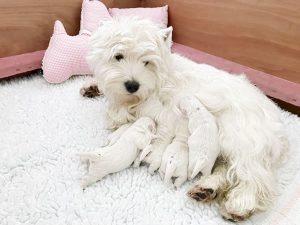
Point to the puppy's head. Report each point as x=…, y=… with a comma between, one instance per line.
x=129, y=57
x=146, y=124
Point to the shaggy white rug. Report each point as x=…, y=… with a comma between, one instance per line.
x=43, y=125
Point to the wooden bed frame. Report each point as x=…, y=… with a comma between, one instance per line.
x=258, y=38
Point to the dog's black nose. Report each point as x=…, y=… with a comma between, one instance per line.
x=132, y=86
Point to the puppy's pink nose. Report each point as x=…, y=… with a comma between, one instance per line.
x=132, y=86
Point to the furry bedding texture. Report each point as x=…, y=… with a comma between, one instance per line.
x=43, y=126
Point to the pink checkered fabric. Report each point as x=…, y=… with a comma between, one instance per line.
x=65, y=55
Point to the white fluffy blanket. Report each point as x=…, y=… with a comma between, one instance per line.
x=43, y=125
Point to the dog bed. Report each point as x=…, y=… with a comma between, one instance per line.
x=43, y=126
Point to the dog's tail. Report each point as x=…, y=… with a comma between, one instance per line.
x=170, y=170
x=89, y=156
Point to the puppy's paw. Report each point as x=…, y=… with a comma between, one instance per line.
x=154, y=165
x=87, y=181
x=145, y=152
x=153, y=158
x=91, y=90
x=168, y=167
x=174, y=164
x=197, y=163
x=137, y=161
x=180, y=180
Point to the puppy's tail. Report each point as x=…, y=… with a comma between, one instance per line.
x=89, y=156
x=170, y=170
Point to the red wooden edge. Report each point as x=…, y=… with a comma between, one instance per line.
x=271, y=85
x=13, y=65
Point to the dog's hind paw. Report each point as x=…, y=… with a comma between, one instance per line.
x=202, y=194
x=90, y=91
x=233, y=217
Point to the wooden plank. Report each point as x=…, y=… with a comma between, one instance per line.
x=27, y=25
x=122, y=3
x=264, y=35
x=22, y=63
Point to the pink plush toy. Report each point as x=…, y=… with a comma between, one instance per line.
x=65, y=55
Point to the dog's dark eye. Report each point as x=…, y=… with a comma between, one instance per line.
x=118, y=57
x=146, y=63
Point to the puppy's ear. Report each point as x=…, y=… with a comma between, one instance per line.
x=167, y=35
x=152, y=128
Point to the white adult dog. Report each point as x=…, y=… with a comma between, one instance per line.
x=133, y=65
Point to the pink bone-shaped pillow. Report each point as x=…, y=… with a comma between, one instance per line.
x=65, y=55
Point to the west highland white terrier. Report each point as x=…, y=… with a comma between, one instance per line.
x=134, y=68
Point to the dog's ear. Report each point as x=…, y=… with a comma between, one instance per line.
x=167, y=35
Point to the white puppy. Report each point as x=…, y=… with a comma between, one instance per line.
x=120, y=155
x=203, y=141
x=115, y=136
x=175, y=158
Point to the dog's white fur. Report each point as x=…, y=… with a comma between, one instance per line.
x=118, y=155
x=251, y=137
x=203, y=141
